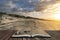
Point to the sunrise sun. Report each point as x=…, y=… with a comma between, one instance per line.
x=56, y=16
x=57, y=11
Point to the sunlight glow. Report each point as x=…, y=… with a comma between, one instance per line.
x=53, y=11
x=57, y=11
x=56, y=16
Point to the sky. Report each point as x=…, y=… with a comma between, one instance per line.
x=32, y=6
x=17, y=5
x=21, y=5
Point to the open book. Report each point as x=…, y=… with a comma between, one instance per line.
x=35, y=35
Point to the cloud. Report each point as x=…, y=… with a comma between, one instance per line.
x=22, y=5
x=32, y=6
x=6, y=5
x=10, y=4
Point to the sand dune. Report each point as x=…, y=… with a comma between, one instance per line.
x=30, y=26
